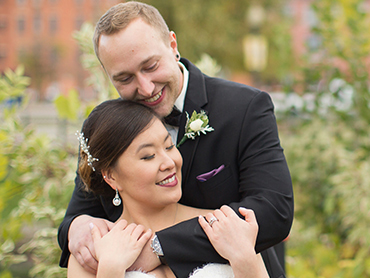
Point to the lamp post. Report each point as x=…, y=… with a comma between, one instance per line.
x=255, y=44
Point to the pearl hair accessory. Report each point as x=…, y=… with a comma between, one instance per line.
x=85, y=148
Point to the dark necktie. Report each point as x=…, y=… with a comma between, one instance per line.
x=173, y=118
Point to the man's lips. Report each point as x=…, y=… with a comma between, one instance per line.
x=154, y=100
x=170, y=181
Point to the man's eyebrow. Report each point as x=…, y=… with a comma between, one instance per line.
x=119, y=75
x=143, y=146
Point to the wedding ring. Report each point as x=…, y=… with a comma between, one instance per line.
x=212, y=220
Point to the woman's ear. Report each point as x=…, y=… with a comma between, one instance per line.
x=109, y=178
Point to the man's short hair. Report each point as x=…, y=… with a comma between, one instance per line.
x=121, y=15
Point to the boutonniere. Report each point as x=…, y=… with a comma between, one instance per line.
x=197, y=123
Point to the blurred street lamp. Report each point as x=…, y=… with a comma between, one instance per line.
x=255, y=52
x=255, y=44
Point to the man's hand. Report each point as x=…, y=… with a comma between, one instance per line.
x=80, y=242
x=147, y=260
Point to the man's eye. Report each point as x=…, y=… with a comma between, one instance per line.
x=152, y=67
x=126, y=79
x=148, y=157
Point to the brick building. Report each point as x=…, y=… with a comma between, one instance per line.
x=38, y=33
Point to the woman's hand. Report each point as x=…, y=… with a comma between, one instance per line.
x=235, y=239
x=119, y=248
x=230, y=232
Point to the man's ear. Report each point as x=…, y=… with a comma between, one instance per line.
x=173, y=41
x=109, y=178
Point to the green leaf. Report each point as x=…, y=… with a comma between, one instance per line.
x=68, y=106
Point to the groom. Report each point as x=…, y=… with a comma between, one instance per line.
x=140, y=56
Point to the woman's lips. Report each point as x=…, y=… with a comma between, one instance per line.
x=169, y=181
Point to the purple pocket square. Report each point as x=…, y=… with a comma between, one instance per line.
x=207, y=176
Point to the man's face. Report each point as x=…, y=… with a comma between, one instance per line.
x=142, y=66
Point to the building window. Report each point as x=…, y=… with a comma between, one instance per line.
x=21, y=2
x=54, y=55
x=78, y=22
x=53, y=24
x=37, y=23
x=36, y=3
x=2, y=51
x=3, y=21
x=21, y=23
x=21, y=53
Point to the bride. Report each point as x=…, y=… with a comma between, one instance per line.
x=127, y=145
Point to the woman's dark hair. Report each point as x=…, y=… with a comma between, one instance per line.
x=110, y=129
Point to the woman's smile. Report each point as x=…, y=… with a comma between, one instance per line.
x=169, y=181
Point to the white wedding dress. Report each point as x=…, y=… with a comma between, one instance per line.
x=207, y=271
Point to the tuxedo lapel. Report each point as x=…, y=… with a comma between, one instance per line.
x=195, y=100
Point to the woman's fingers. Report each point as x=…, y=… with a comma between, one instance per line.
x=95, y=232
x=205, y=225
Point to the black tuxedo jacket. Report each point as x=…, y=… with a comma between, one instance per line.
x=245, y=140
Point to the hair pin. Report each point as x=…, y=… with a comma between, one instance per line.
x=85, y=148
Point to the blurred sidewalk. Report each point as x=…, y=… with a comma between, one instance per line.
x=43, y=117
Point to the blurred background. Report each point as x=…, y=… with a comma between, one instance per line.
x=312, y=56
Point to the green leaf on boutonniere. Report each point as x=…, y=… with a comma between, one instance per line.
x=196, y=124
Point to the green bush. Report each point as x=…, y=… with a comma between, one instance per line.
x=36, y=182
x=330, y=172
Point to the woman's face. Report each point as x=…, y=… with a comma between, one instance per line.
x=149, y=171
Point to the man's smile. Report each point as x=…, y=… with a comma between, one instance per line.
x=154, y=99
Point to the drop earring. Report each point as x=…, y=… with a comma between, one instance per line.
x=177, y=56
x=116, y=199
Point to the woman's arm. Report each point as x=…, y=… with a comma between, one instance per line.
x=75, y=270
x=235, y=239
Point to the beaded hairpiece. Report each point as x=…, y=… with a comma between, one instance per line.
x=85, y=148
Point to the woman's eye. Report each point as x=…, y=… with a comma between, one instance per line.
x=170, y=147
x=148, y=157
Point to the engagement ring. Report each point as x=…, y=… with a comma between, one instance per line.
x=212, y=220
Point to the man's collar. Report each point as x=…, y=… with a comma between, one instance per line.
x=179, y=103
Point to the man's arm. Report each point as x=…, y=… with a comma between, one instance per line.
x=264, y=185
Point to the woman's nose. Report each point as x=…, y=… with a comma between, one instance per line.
x=168, y=163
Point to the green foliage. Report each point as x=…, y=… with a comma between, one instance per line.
x=35, y=186
x=328, y=152
x=343, y=53
x=330, y=172
x=13, y=84
x=68, y=107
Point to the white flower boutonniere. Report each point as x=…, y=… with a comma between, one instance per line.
x=197, y=123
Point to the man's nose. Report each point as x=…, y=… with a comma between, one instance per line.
x=145, y=85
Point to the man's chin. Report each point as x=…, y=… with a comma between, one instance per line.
x=162, y=111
